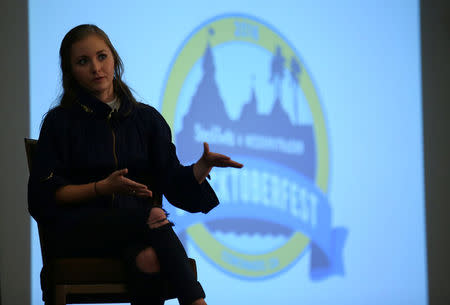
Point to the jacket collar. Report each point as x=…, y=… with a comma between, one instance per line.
x=95, y=107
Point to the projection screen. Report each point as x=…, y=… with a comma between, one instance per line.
x=321, y=101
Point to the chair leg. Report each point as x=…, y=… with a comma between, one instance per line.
x=60, y=295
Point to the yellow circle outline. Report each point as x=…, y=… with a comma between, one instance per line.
x=284, y=255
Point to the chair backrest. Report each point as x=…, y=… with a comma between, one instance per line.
x=30, y=148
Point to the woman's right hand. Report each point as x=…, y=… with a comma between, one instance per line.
x=118, y=183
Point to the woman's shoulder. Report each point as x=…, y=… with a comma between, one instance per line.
x=153, y=117
x=56, y=114
x=145, y=108
x=149, y=111
x=55, y=121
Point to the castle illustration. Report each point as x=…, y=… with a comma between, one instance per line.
x=269, y=136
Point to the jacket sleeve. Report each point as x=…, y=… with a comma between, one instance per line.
x=48, y=171
x=177, y=181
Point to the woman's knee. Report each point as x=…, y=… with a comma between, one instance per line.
x=157, y=218
x=147, y=261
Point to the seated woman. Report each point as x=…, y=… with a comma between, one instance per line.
x=102, y=158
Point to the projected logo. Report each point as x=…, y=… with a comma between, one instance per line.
x=238, y=85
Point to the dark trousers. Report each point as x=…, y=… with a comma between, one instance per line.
x=123, y=233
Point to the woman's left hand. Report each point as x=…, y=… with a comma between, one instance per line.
x=209, y=160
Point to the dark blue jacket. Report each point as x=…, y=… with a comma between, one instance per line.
x=87, y=142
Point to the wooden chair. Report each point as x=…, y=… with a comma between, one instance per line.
x=84, y=280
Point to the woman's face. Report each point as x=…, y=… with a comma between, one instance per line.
x=93, y=66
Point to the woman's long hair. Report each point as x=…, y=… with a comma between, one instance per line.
x=69, y=84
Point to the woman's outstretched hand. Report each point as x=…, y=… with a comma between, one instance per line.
x=208, y=160
x=118, y=183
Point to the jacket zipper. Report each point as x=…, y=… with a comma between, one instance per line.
x=116, y=163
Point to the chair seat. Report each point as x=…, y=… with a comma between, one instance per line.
x=94, y=272
x=88, y=270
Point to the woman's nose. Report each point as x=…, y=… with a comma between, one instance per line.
x=95, y=66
